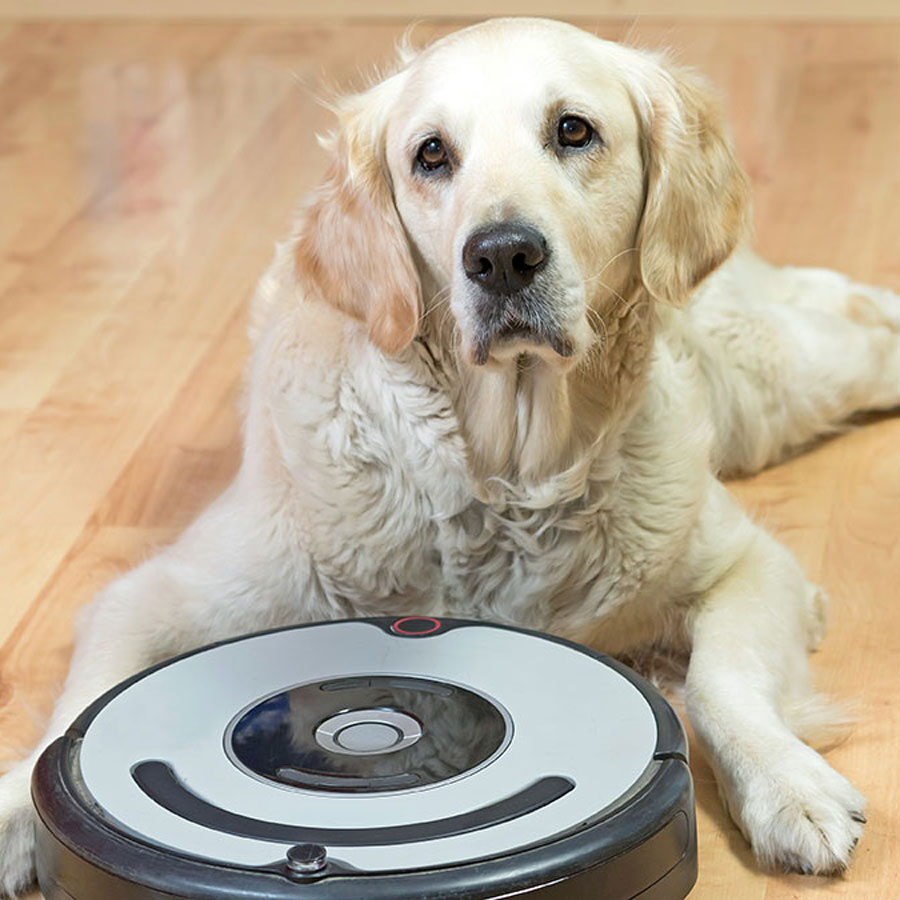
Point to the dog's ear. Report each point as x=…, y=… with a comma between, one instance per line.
x=351, y=249
x=696, y=206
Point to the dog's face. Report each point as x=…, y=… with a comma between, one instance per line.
x=516, y=168
x=524, y=172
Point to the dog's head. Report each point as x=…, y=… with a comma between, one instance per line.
x=524, y=172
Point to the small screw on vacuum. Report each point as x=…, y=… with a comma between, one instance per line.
x=306, y=859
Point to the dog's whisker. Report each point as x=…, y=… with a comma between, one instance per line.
x=609, y=262
x=436, y=305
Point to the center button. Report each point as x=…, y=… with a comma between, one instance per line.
x=368, y=731
x=368, y=737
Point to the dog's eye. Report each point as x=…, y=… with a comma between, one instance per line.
x=573, y=131
x=432, y=155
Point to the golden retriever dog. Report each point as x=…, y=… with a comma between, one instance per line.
x=497, y=371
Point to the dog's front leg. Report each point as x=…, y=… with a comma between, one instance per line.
x=227, y=574
x=748, y=673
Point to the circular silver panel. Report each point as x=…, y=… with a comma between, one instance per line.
x=275, y=738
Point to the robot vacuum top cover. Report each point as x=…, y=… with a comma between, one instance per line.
x=403, y=758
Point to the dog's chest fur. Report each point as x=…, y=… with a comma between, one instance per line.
x=557, y=557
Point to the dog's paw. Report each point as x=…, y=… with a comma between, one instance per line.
x=16, y=833
x=802, y=816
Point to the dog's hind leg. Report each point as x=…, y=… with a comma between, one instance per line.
x=788, y=354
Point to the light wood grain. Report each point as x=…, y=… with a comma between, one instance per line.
x=293, y=9
x=145, y=172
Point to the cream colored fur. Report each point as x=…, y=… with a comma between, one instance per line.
x=385, y=472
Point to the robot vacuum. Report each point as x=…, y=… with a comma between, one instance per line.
x=371, y=759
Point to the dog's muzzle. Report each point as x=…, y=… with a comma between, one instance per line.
x=515, y=301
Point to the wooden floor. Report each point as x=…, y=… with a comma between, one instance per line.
x=145, y=171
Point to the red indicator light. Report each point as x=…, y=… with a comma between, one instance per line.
x=414, y=626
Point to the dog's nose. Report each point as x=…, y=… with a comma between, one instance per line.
x=504, y=258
